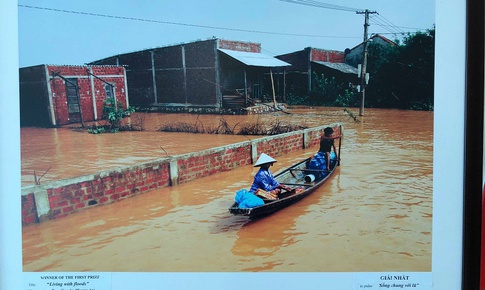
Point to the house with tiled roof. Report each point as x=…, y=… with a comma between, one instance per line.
x=354, y=55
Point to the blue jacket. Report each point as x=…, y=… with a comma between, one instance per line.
x=264, y=179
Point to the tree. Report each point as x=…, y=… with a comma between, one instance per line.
x=402, y=76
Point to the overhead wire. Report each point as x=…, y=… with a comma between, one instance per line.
x=322, y=5
x=376, y=18
x=385, y=23
x=178, y=23
x=390, y=28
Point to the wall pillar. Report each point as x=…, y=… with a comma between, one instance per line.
x=174, y=172
x=93, y=92
x=306, y=139
x=154, y=80
x=254, y=151
x=52, y=113
x=42, y=205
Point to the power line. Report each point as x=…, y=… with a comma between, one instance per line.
x=322, y=5
x=178, y=23
x=383, y=22
x=391, y=28
x=386, y=23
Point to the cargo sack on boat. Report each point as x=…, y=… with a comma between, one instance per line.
x=318, y=162
x=264, y=194
x=246, y=199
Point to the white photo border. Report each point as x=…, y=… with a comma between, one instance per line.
x=447, y=255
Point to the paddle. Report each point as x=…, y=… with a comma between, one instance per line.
x=339, y=145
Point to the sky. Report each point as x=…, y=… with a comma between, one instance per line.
x=78, y=32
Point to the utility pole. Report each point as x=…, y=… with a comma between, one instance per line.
x=364, y=59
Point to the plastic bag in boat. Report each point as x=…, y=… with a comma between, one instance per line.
x=246, y=199
x=318, y=162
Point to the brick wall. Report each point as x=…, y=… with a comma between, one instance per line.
x=327, y=55
x=57, y=199
x=240, y=45
x=281, y=144
x=110, y=74
x=104, y=188
x=197, y=166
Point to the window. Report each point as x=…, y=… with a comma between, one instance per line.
x=109, y=91
x=72, y=96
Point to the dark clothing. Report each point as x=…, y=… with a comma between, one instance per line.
x=326, y=144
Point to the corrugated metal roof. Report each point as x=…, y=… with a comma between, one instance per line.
x=254, y=58
x=343, y=67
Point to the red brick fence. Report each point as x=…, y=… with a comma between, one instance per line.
x=57, y=199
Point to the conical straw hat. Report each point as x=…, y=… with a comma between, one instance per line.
x=263, y=159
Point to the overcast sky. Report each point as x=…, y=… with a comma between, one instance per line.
x=78, y=32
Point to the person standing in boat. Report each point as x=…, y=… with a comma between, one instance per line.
x=327, y=142
x=264, y=179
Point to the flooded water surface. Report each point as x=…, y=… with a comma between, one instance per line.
x=373, y=214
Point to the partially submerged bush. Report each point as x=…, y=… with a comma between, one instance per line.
x=181, y=127
x=257, y=128
x=114, y=113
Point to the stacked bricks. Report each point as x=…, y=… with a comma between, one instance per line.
x=327, y=55
x=194, y=167
x=110, y=74
x=98, y=189
x=239, y=45
x=281, y=144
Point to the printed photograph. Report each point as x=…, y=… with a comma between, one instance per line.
x=227, y=136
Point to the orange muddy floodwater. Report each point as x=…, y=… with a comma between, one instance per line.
x=374, y=214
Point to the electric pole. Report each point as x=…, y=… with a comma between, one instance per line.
x=364, y=60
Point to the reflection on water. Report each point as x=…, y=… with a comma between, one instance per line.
x=374, y=214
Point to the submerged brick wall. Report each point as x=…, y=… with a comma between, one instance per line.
x=201, y=165
x=105, y=188
x=281, y=144
x=57, y=199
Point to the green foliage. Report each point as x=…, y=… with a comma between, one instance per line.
x=327, y=92
x=349, y=98
x=96, y=130
x=114, y=115
x=293, y=99
x=402, y=76
x=323, y=90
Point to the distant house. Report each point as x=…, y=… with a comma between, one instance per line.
x=309, y=61
x=56, y=95
x=354, y=55
x=211, y=74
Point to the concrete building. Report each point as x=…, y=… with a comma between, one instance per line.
x=56, y=95
x=206, y=75
x=309, y=61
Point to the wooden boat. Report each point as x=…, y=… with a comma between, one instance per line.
x=294, y=177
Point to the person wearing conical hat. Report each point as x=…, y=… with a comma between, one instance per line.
x=264, y=179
